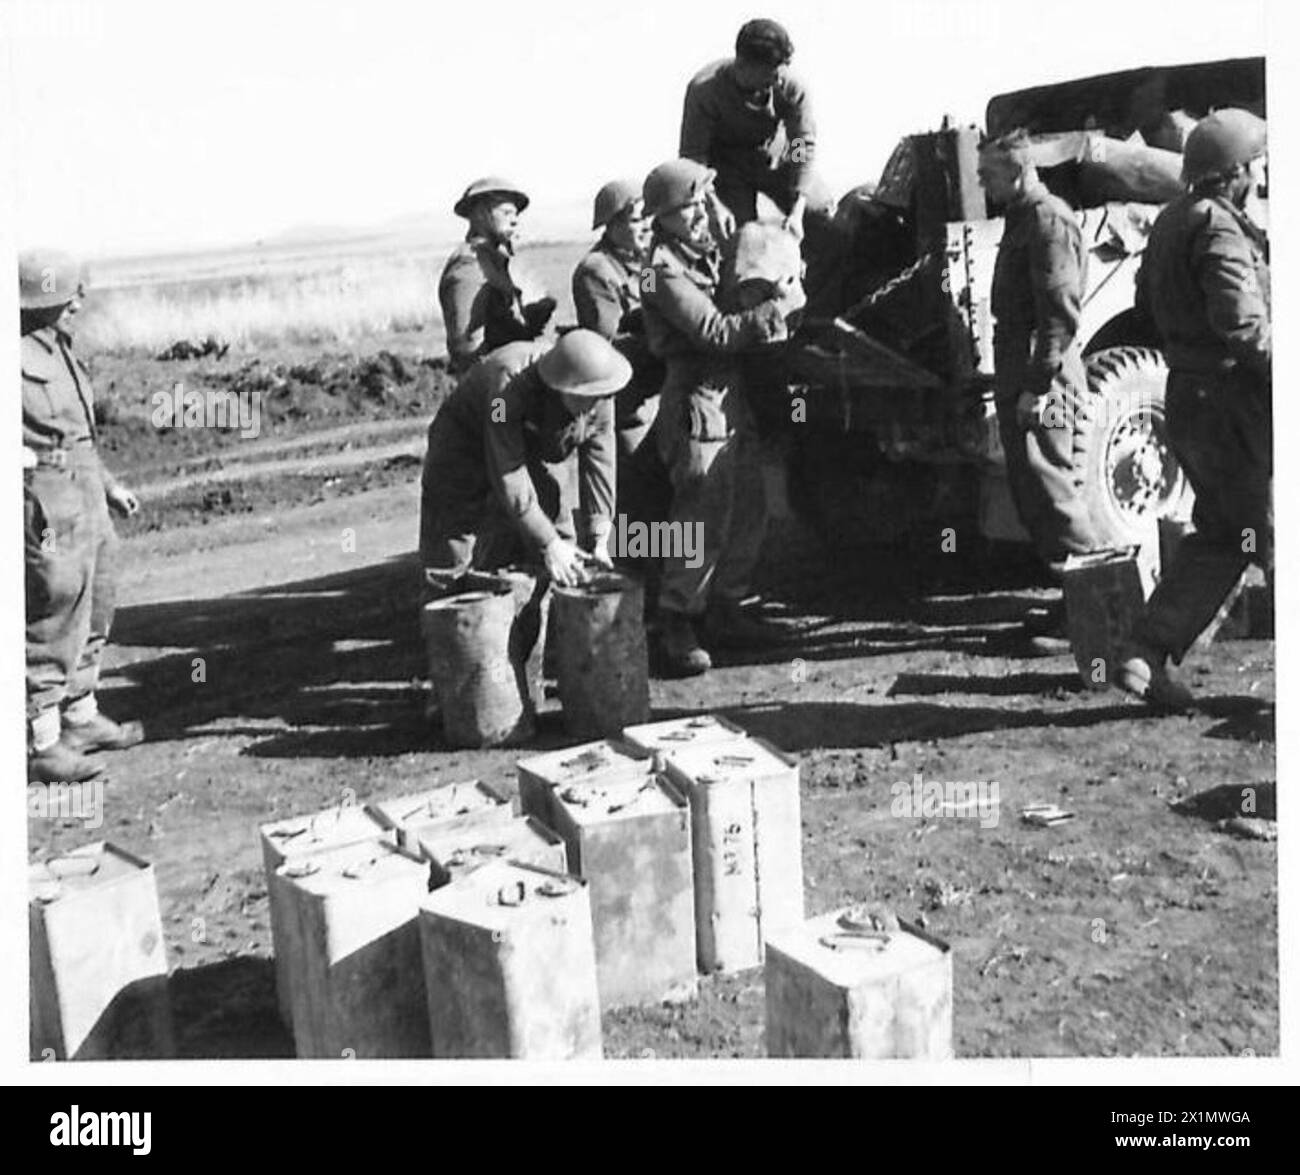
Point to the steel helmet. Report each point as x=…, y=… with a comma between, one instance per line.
x=1222, y=142
x=48, y=278
x=586, y=364
x=674, y=185
x=612, y=199
x=490, y=185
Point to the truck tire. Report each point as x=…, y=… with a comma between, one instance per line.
x=1121, y=449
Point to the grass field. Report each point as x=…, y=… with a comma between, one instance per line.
x=340, y=294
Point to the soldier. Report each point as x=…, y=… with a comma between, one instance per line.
x=1036, y=298
x=70, y=547
x=491, y=494
x=705, y=432
x=485, y=301
x=750, y=119
x=607, y=296
x=1204, y=282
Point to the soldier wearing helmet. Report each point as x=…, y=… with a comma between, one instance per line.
x=1036, y=297
x=70, y=547
x=487, y=300
x=705, y=432
x=607, y=297
x=524, y=426
x=1204, y=282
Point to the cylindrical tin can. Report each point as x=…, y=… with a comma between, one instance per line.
x=483, y=695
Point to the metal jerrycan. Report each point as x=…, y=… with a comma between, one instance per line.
x=747, y=842
x=510, y=967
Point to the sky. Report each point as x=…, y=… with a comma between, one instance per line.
x=140, y=125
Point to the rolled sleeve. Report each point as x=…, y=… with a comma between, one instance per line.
x=698, y=122
x=800, y=132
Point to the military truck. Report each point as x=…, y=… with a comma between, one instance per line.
x=893, y=432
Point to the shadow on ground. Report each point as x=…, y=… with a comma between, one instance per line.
x=339, y=659
x=228, y=1009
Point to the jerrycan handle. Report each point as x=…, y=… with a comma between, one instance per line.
x=513, y=894
x=855, y=940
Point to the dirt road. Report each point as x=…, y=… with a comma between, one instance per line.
x=275, y=659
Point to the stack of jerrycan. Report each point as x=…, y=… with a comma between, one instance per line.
x=449, y=924
x=348, y=887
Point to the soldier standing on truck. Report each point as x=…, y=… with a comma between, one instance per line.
x=1036, y=299
x=607, y=297
x=522, y=426
x=70, y=549
x=486, y=301
x=1204, y=282
x=705, y=432
x=750, y=119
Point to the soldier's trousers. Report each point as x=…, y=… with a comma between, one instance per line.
x=1047, y=492
x=709, y=446
x=70, y=555
x=1221, y=430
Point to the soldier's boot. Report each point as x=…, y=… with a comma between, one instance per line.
x=680, y=654
x=1143, y=674
x=60, y=763
x=101, y=733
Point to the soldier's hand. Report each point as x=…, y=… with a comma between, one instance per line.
x=600, y=557
x=538, y=314
x=564, y=562
x=122, y=501
x=1027, y=410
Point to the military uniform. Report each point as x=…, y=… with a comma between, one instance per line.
x=706, y=434
x=483, y=302
x=1205, y=282
x=1036, y=298
x=607, y=297
x=70, y=546
x=766, y=149
x=499, y=478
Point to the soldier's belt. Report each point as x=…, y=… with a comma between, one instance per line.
x=79, y=453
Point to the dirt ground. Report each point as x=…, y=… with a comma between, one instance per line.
x=1139, y=928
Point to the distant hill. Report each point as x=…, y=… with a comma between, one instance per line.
x=309, y=247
